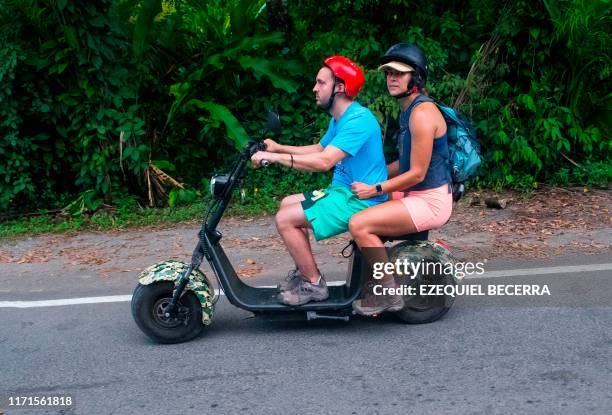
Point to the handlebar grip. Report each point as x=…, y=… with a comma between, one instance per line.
x=254, y=147
x=265, y=163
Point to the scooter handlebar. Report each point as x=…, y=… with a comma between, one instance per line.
x=254, y=147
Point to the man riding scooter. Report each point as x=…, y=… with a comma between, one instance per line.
x=352, y=146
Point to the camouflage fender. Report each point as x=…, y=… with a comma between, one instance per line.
x=198, y=283
x=428, y=251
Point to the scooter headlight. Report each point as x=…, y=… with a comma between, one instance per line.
x=217, y=184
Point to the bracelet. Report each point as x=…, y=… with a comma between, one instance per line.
x=291, y=160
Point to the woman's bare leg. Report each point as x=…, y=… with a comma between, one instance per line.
x=388, y=219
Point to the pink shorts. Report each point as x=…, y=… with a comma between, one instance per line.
x=429, y=208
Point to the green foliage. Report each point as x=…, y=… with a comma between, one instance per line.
x=535, y=117
x=581, y=29
x=264, y=189
x=86, y=202
x=225, y=64
x=128, y=214
x=91, y=92
x=220, y=113
x=182, y=197
x=67, y=101
x=590, y=174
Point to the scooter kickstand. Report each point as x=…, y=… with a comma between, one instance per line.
x=313, y=315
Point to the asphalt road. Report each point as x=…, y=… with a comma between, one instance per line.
x=488, y=355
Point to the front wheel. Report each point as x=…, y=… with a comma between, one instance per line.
x=149, y=303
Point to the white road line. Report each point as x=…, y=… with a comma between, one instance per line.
x=543, y=271
x=68, y=301
x=487, y=274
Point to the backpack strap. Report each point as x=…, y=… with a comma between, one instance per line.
x=408, y=111
x=418, y=100
x=405, y=115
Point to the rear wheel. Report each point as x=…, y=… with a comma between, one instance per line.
x=149, y=305
x=421, y=309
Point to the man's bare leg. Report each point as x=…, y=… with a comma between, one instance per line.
x=293, y=199
x=293, y=228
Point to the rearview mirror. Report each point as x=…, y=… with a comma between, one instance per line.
x=273, y=122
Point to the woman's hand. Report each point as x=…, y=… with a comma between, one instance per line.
x=363, y=191
x=262, y=155
x=271, y=145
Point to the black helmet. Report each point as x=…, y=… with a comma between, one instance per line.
x=409, y=54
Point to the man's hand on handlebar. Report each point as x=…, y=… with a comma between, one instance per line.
x=272, y=146
x=260, y=156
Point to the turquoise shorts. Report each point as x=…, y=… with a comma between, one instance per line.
x=329, y=210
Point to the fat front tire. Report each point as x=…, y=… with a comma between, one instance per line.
x=148, y=305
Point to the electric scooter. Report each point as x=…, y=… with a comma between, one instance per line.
x=174, y=301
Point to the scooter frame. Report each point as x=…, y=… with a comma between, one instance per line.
x=263, y=301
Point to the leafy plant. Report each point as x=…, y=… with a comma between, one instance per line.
x=94, y=93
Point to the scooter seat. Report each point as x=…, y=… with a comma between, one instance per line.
x=418, y=236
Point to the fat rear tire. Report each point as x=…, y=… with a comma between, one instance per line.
x=148, y=300
x=426, y=309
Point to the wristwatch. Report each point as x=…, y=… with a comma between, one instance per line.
x=379, y=188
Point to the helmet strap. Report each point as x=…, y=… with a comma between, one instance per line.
x=330, y=103
x=412, y=89
x=402, y=95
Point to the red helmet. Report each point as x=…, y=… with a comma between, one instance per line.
x=346, y=70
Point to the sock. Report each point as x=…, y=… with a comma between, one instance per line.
x=318, y=281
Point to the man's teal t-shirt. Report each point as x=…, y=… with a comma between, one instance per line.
x=357, y=133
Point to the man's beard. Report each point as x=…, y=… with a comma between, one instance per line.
x=325, y=105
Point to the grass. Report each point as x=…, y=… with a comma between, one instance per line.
x=129, y=213
x=121, y=218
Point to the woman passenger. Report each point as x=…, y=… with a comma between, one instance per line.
x=421, y=173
